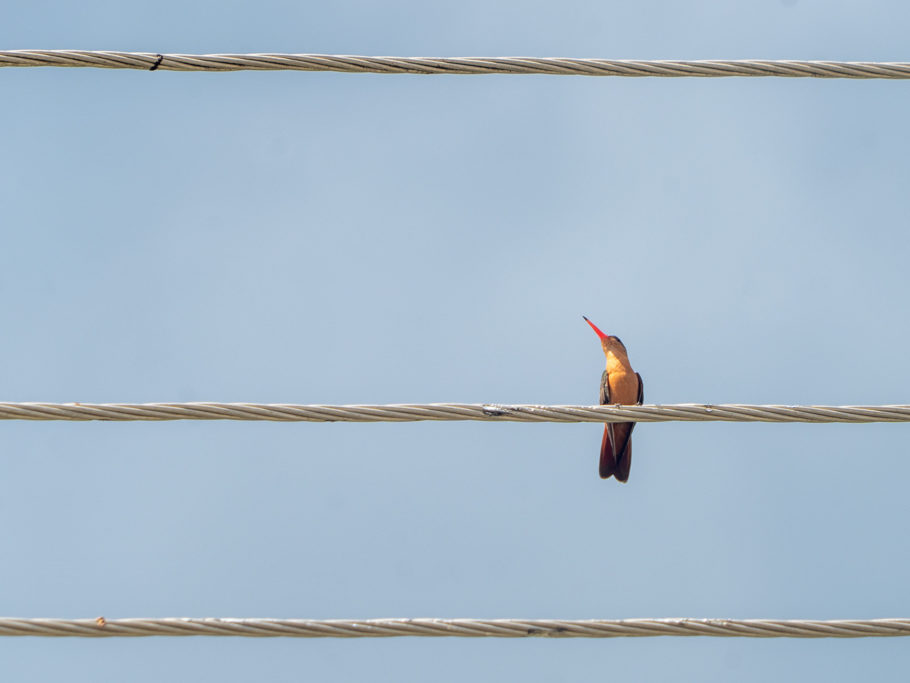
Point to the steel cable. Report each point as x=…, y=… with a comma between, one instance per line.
x=563, y=66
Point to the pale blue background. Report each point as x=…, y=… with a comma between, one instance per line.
x=328, y=238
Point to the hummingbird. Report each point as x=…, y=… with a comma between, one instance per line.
x=619, y=384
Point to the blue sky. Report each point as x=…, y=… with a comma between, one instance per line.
x=331, y=238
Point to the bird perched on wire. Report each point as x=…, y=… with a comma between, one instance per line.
x=619, y=384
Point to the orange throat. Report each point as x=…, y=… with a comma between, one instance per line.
x=618, y=362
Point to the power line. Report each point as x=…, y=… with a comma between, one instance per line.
x=562, y=66
x=451, y=412
x=471, y=628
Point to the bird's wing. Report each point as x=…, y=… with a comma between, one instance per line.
x=605, y=389
x=641, y=390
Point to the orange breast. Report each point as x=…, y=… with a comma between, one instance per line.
x=623, y=387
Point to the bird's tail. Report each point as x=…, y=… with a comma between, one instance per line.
x=624, y=463
x=622, y=449
x=607, y=459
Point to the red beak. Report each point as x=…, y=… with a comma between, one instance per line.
x=595, y=328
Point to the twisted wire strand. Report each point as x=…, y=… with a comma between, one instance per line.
x=484, y=412
x=563, y=66
x=469, y=628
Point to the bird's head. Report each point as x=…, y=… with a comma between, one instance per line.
x=609, y=343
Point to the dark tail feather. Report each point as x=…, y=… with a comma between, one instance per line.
x=607, y=461
x=624, y=464
x=622, y=434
